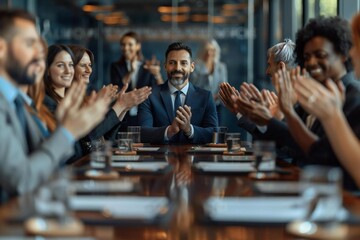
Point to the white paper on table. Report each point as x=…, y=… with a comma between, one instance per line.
x=287, y=187
x=121, y=206
x=147, y=149
x=137, y=166
x=230, y=166
x=125, y=158
x=89, y=186
x=209, y=149
x=245, y=158
x=264, y=209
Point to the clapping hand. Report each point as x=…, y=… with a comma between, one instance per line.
x=284, y=83
x=225, y=93
x=183, y=118
x=321, y=101
x=78, y=119
x=154, y=68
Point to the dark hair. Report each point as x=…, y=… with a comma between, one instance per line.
x=7, y=21
x=79, y=52
x=334, y=29
x=135, y=36
x=54, y=50
x=177, y=46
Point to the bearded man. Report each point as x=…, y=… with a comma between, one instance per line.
x=177, y=111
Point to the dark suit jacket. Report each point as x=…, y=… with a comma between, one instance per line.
x=119, y=69
x=156, y=114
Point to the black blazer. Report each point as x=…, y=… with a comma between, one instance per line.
x=119, y=69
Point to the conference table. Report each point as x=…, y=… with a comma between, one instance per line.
x=188, y=197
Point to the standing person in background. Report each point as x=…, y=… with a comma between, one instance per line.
x=210, y=72
x=131, y=69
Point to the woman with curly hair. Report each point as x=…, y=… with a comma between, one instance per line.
x=322, y=48
x=342, y=129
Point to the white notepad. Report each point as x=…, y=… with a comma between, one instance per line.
x=264, y=209
x=135, y=166
x=230, y=166
x=88, y=186
x=122, y=206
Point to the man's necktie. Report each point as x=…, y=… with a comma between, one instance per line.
x=177, y=102
x=20, y=111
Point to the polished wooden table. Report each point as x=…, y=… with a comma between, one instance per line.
x=187, y=190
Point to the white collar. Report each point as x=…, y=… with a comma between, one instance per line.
x=173, y=89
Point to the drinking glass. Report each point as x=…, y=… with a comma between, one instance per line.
x=219, y=135
x=124, y=142
x=265, y=156
x=324, y=183
x=134, y=133
x=100, y=156
x=233, y=142
x=322, y=198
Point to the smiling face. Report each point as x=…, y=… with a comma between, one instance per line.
x=83, y=69
x=178, y=67
x=130, y=48
x=61, y=71
x=321, y=60
x=21, y=62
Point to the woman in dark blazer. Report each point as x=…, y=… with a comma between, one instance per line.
x=132, y=69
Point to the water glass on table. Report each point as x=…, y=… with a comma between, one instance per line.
x=101, y=153
x=233, y=142
x=124, y=143
x=324, y=183
x=265, y=157
x=135, y=134
x=322, y=197
x=219, y=135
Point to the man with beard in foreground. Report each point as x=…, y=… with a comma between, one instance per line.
x=27, y=158
x=177, y=111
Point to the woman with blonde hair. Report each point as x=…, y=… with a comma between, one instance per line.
x=210, y=71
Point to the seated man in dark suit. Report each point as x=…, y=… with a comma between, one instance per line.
x=177, y=111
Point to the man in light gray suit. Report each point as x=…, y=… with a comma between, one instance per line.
x=27, y=159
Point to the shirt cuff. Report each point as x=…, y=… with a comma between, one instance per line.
x=262, y=129
x=165, y=134
x=192, y=132
x=67, y=134
x=238, y=116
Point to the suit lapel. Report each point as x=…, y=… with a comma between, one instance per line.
x=13, y=120
x=35, y=135
x=191, y=97
x=166, y=100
